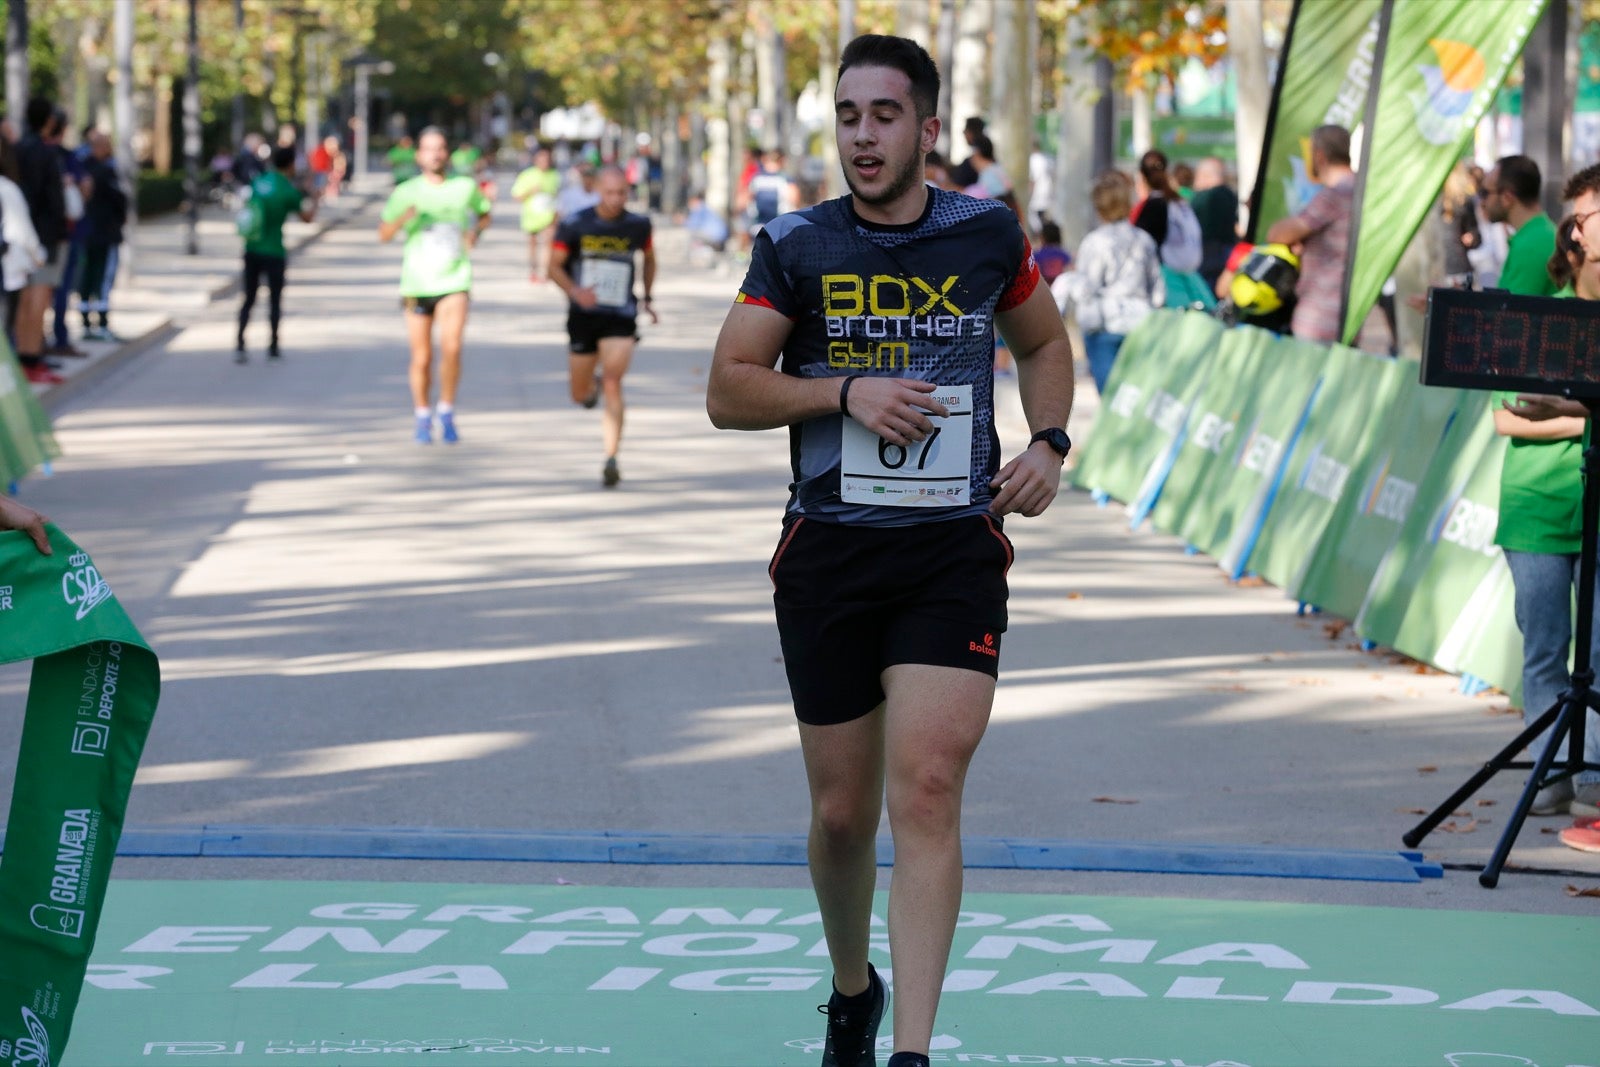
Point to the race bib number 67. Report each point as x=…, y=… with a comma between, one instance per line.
x=935, y=472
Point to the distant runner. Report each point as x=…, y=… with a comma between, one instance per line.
x=536, y=188
x=273, y=198
x=592, y=261
x=443, y=218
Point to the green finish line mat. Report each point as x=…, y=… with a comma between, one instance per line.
x=241, y=974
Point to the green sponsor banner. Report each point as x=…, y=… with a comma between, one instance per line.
x=1396, y=582
x=1354, y=402
x=1159, y=370
x=1367, y=522
x=1460, y=616
x=1443, y=62
x=1238, y=439
x=90, y=700
x=250, y=974
x=25, y=438
x=1323, y=78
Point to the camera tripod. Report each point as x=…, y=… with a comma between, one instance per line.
x=1568, y=713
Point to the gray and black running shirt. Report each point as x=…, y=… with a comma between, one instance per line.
x=911, y=301
x=598, y=254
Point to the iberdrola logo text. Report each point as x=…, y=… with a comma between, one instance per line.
x=82, y=587
x=1445, y=109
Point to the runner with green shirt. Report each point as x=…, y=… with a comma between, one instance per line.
x=536, y=188
x=442, y=218
x=273, y=198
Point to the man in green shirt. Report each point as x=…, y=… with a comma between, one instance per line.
x=273, y=198
x=1541, y=485
x=442, y=218
x=1511, y=196
x=403, y=160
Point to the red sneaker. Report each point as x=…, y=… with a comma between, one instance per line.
x=42, y=375
x=1583, y=835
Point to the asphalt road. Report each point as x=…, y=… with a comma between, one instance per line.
x=359, y=632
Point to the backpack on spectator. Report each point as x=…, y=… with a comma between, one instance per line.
x=1184, y=247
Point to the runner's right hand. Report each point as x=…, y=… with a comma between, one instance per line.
x=584, y=298
x=896, y=409
x=14, y=516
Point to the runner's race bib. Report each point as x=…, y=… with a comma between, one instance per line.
x=935, y=472
x=90, y=700
x=442, y=242
x=610, y=280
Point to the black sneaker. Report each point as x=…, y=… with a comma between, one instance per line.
x=239, y=355
x=609, y=475
x=852, y=1035
x=594, y=397
x=272, y=351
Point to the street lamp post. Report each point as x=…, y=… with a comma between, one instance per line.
x=191, y=131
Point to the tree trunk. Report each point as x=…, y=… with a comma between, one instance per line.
x=830, y=51
x=236, y=116
x=762, y=42
x=969, y=78
x=17, y=64
x=1248, y=48
x=672, y=182
x=191, y=132
x=127, y=161
x=945, y=56
x=1074, y=173
x=1011, y=99
x=1144, y=137
x=161, y=137
x=719, y=60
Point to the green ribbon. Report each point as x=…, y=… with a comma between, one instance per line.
x=90, y=701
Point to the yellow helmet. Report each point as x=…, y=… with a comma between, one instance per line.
x=1265, y=280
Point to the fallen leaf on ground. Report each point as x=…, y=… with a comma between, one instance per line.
x=1574, y=891
x=1429, y=769
x=1335, y=628
x=1550, y=829
x=1252, y=581
x=1502, y=709
x=1113, y=800
x=1074, y=596
x=1226, y=689
x=1309, y=681
x=1460, y=828
x=1412, y=811
x=1487, y=803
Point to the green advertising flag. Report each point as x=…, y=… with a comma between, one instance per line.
x=1443, y=61
x=1239, y=436
x=1455, y=462
x=90, y=701
x=1354, y=402
x=1367, y=522
x=1158, y=372
x=25, y=438
x=1323, y=77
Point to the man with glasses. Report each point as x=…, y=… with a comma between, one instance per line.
x=1511, y=196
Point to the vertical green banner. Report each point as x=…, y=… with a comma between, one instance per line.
x=1443, y=62
x=25, y=438
x=1354, y=401
x=1323, y=77
x=1157, y=373
x=1455, y=465
x=1380, y=496
x=1238, y=437
x=90, y=701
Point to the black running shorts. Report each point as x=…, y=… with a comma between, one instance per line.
x=424, y=305
x=853, y=600
x=586, y=328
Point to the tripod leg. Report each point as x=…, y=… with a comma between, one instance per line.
x=1565, y=711
x=1497, y=763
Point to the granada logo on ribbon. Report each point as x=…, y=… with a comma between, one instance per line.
x=82, y=587
x=30, y=1051
x=1447, y=104
x=70, y=876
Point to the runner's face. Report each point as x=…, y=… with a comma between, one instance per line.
x=613, y=190
x=882, y=143
x=431, y=154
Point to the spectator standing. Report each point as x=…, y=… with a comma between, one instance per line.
x=103, y=220
x=23, y=252
x=771, y=193
x=1320, y=236
x=1216, y=206
x=1171, y=223
x=1455, y=228
x=965, y=173
x=1118, y=279
x=1050, y=256
x=1541, y=483
x=39, y=171
x=1511, y=196
x=76, y=190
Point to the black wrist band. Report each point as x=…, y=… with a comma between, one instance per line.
x=844, y=394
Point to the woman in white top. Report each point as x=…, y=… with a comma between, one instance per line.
x=24, y=253
x=1116, y=280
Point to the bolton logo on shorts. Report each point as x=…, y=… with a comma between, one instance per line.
x=985, y=649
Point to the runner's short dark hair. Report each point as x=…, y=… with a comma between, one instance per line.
x=1519, y=176
x=904, y=55
x=283, y=157
x=1586, y=180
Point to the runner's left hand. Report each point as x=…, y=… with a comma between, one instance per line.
x=1028, y=483
x=14, y=516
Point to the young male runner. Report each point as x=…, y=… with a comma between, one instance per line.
x=889, y=575
x=592, y=261
x=442, y=218
x=273, y=198
x=536, y=188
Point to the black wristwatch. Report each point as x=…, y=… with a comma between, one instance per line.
x=1056, y=438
